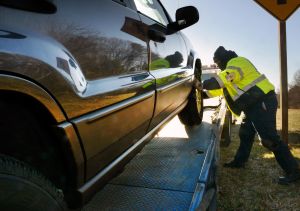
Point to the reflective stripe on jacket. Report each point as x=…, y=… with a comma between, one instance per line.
x=242, y=84
x=223, y=92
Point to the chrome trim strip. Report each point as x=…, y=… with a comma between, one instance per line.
x=238, y=69
x=118, y=106
x=87, y=189
x=168, y=87
x=138, y=83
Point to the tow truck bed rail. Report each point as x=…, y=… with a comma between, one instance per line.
x=176, y=170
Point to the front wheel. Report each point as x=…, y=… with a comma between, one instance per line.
x=23, y=188
x=192, y=113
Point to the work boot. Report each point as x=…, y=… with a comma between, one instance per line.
x=234, y=164
x=289, y=178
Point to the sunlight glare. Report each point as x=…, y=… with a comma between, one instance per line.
x=268, y=155
x=173, y=129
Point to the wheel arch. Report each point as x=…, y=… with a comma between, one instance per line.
x=21, y=86
x=33, y=109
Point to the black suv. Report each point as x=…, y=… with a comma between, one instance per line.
x=83, y=86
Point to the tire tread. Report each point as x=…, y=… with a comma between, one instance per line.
x=19, y=169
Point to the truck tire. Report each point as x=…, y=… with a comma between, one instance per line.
x=23, y=188
x=192, y=113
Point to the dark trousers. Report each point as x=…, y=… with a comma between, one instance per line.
x=261, y=118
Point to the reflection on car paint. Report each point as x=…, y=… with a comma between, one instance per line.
x=11, y=35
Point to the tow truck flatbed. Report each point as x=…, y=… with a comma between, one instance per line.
x=176, y=170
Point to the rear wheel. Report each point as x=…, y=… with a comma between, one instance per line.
x=192, y=114
x=23, y=188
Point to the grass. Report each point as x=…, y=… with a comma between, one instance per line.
x=254, y=187
x=293, y=124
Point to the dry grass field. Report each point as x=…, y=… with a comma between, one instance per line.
x=254, y=187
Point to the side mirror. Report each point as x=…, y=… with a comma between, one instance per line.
x=156, y=35
x=185, y=17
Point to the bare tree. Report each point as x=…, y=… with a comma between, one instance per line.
x=294, y=91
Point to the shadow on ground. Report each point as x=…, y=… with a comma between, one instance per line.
x=254, y=187
x=294, y=137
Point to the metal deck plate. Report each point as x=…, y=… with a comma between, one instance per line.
x=163, y=175
x=114, y=197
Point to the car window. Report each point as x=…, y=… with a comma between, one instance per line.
x=152, y=9
x=206, y=76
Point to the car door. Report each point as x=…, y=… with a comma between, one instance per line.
x=119, y=96
x=168, y=61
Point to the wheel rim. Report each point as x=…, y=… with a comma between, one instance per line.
x=198, y=101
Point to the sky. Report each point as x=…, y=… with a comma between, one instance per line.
x=246, y=28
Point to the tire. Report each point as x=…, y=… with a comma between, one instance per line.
x=23, y=188
x=226, y=132
x=192, y=113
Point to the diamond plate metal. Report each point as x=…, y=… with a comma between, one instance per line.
x=163, y=176
x=115, y=197
x=167, y=163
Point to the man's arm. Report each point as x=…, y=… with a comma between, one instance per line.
x=217, y=91
x=211, y=84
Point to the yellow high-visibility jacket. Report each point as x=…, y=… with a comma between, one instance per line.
x=240, y=84
x=159, y=63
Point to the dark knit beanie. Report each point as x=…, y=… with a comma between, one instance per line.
x=219, y=53
x=222, y=56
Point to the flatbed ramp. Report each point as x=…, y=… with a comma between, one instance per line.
x=174, y=171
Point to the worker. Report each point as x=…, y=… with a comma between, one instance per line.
x=170, y=61
x=246, y=90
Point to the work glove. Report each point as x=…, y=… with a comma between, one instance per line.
x=198, y=85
